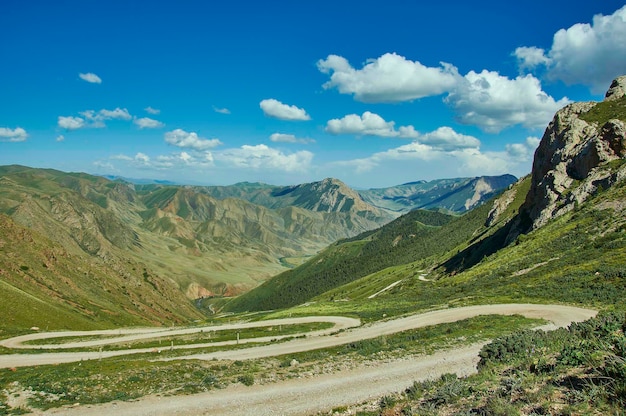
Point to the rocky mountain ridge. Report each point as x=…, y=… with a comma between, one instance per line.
x=581, y=152
x=457, y=195
x=213, y=246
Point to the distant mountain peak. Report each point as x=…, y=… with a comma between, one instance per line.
x=453, y=195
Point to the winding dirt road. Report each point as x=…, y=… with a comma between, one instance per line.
x=136, y=334
x=319, y=393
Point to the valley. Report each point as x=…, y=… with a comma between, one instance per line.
x=511, y=306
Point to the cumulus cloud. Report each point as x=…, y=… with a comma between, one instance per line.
x=90, y=77
x=147, y=123
x=221, y=110
x=60, y=138
x=493, y=102
x=389, y=78
x=70, y=123
x=17, y=134
x=588, y=54
x=104, y=114
x=487, y=99
x=276, y=109
x=445, y=138
x=448, y=154
x=369, y=124
x=289, y=138
x=151, y=110
x=264, y=157
x=523, y=151
x=191, y=140
x=530, y=57
x=93, y=119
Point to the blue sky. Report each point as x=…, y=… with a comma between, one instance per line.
x=373, y=93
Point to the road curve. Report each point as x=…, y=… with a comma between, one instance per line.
x=135, y=334
x=319, y=393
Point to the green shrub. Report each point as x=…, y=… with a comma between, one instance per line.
x=246, y=379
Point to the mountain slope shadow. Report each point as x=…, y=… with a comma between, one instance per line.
x=478, y=249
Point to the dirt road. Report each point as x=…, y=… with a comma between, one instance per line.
x=135, y=334
x=310, y=395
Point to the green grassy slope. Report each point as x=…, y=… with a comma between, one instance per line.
x=46, y=285
x=415, y=236
x=579, y=258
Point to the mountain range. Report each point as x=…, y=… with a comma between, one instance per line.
x=190, y=242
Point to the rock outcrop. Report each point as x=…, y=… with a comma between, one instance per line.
x=617, y=89
x=571, y=162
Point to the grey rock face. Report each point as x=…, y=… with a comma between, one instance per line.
x=617, y=89
x=568, y=164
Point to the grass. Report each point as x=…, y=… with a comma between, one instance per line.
x=576, y=371
x=606, y=110
x=126, y=378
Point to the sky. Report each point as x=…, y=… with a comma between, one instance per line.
x=374, y=93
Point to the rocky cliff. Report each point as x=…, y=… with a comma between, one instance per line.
x=581, y=152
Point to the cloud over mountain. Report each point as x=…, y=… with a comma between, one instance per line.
x=494, y=102
x=264, y=157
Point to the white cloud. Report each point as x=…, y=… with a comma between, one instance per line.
x=494, y=102
x=90, y=77
x=369, y=124
x=60, y=138
x=191, y=140
x=289, y=138
x=442, y=157
x=276, y=109
x=93, y=119
x=523, y=152
x=588, y=54
x=171, y=161
x=142, y=157
x=265, y=158
x=147, y=123
x=70, y=123
x=445, y=138
x=487, y=99
x=17, y=134
x=389, y=78
x=151, y=110
x=121, y=157
x=221, y=110
x=530, y=57
x=117, y=114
